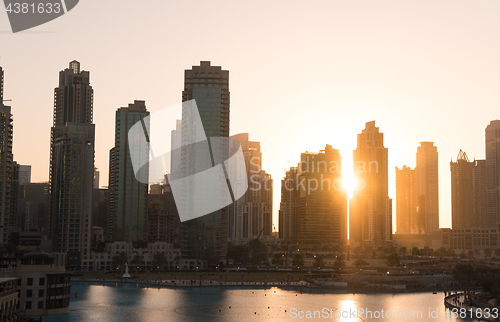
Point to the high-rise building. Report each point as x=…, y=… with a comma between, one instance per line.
x=33, y=207
x=251, y=215
x=100, y=207
x=96, y=179
x=163, y=219
x=479, y=190
x=205, y=237
x=370, y=211
x=427, y=187
x=72, y=166
x=406, y=201
x=322, y=211
x=71, y=192
x=24, y=174
x=130, y=196
x=6, y=165
x=463, y=215
x=289, y=206
x=492, y=133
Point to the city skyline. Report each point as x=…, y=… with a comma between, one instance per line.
x=75, y=68
x=330, y=85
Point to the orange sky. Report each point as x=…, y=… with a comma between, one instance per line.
x=302, y=74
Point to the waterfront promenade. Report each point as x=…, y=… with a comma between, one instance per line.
x=458, y=302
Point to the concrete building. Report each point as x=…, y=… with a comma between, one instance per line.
x=6, y=164
x=9, y=293
x=72, y=165
x=44, y=288
x=492, y=134
x=406, y=201
x=163, y=218
x=96, y=178
x=322, y=211
x=289, y=206
x=474, y=242
x=100, y=208
x=427, y=187
x=33, y=207
x=467, y=204
x=251, y=215
x=370, y=212
x=206, y=236
x=138, y=258
x=24, y=174
x=71, y=191
x=128, y=196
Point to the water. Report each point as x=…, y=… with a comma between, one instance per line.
x=132, y=302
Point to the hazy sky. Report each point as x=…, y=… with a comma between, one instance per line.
x=302, y=74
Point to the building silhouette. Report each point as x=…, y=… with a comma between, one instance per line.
x=205, y=237
x=492, y=134
x=427, y=187
x=322, y=211
x=72, y=166
x=370, y=214
x=6, y=168
x=406, y=201
x=289, y=206
x=251, y=215
x=462, y=193
x=128, y=196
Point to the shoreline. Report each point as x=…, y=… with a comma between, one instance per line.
x=302, y=284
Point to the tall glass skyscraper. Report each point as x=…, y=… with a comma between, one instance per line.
x=205, y=238
x=370, y=211
x=72, y=166
x=128, y=196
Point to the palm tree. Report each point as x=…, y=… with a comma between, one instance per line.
x=137, y=260
x=120, y=260
x=465, y=274
x=403, y=250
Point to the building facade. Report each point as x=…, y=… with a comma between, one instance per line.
x=206, y=236
x=6, y=165
x=427, y=187
x=128, y=204
x=406, y=201
x=71, y=192
x=370, y=212
x=492, y=134
x=322, y=209
x=72, y=165
x=251, y=215
x=289, y=206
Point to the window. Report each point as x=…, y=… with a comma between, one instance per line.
x=41, y=281
x=28, y=305
x=41, y=293
x=30, y=281
x=40, y=305
x=29, y=293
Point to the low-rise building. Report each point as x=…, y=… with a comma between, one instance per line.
x=44, y=288
x=8, y=298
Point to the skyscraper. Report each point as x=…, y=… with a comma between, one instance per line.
x=129, y=196
x=289, y=206
x=322, y=212
x=71, y=192
x=370, y=212
x=406, y=201
x=463, y=215
x=492, y=133
x=205, y=237
x=72, y=166
x=251, y=215
x=427, y=187
x=6, y=164
x=480, y=195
